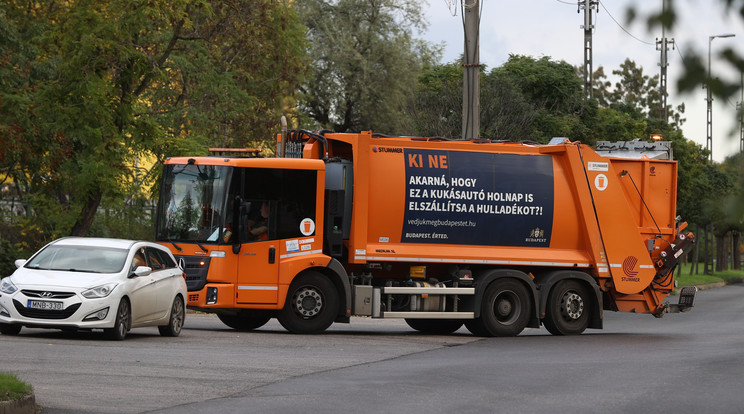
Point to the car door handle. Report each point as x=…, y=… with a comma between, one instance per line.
x=272, y=255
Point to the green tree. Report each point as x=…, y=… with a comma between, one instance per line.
x=93, y=87
x=555, y=94
x=365, y=63
x=436, y=107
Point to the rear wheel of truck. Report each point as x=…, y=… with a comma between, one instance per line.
x=245, y=321
x=435, y=326
x=311, y=306
x=505, y=309
x=568, y=308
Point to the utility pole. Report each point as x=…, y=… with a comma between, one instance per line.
x=663, y=45
x=471, y=72
x=588, y=27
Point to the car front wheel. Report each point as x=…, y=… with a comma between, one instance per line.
x=177, y=317
x=121, y=323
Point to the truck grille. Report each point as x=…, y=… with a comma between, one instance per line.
x=45, y=314
x=196, y=269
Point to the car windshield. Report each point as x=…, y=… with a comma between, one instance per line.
x=91, y=259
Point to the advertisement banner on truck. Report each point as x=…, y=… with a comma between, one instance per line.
x=456, y=197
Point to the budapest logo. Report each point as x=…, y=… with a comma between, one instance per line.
x=629, y=265
x=537, y=235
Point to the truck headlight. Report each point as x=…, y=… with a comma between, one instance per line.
x=99, y=291
x=6, y=286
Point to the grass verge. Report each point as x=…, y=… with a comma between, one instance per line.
x=11, y=388
x=728, y=277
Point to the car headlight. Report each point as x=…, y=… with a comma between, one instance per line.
x=99, y=291
x=6, y=286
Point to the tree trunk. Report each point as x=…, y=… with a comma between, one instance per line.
x=736, y=249
x=87, y=214
x=695, y=254
x=721, y=259
x=708, y=268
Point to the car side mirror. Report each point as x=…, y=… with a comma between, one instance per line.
x=19, y=263
x=141, y=271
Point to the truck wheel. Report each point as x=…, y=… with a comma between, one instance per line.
x=505, y=309
x=312, y=304
x=435, y=326
x=568, y=309
x=244, y=321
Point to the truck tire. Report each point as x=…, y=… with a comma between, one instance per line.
x=505, y=309
x=568, y=310
x=244, y=321
x=435, y=326
x=311, y=306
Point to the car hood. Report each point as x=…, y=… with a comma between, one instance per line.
x=28, y=278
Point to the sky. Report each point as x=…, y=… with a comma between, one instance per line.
x=553, y=28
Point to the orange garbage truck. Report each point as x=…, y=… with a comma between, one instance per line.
x=496, y=236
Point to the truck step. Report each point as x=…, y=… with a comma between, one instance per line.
x=686, y=299
x=687, y=296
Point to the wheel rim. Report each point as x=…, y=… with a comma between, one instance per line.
x=506, y=307
x=177, y=315
x=308, y=302
x=572, y=305
x=123, y=322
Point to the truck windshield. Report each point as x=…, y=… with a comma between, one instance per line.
x=192, y=203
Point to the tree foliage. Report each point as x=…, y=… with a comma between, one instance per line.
x=365, y=62
x=436, y=107
x=92, y=87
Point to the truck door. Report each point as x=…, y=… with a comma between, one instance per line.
x=258, y=269
x=271, y=206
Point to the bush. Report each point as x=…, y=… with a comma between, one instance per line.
x=18, y=241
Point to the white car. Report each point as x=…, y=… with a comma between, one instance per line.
x=94, y=283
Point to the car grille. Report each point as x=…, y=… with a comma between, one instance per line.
x=46, y=294
x=45, y=314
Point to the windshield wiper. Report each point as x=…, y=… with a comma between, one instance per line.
x=202, y=247
x=175, y=245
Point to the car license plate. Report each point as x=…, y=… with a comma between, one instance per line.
x=44, y=305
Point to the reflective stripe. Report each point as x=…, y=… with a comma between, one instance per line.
x=284, y=256
x=473, y=261
x=245, y=287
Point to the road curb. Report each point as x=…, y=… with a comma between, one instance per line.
x=25, y=405
x=711, y=285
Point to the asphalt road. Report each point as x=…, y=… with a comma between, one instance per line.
x=691, y=362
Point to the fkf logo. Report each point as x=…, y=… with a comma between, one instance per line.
x=431, y=161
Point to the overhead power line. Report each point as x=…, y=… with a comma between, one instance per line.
x=623, y=28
